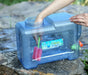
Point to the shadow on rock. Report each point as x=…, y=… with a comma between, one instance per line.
x=7, y=71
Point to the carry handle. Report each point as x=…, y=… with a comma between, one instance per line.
x=53, y=55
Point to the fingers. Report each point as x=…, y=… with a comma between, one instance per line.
x=78, y=19
x=80, y=16
x=36, y=39
x=37, y=32
x=36, y=36
x=40, y=35
x=80, y=23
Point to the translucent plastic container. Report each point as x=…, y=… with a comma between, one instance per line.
x=58, y=37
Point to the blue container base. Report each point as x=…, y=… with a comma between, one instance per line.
x=34, y=64
x=47, y=62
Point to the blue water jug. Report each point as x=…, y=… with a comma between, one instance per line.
x=59, y=35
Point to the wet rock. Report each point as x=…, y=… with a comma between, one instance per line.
x=2, y=6
x=3, y=48
x=63, y=67
x=7, y=71
x=16, y=63
x=3, y=60
x=1, y=56
x=84, y=37
x=7, y=40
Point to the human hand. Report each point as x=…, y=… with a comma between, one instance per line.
x=81, y=19
x=38, y=22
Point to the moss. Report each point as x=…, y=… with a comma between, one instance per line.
x=85, y=61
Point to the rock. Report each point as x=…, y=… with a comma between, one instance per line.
x=10, y=15
x=24, y=8
x=84, y=35
x=2, y=59
x=84, y=40
x=2, y=6
x=7, y=71
x=8, y=22
x=63, y=67
x=76, y=9
x=7, y=40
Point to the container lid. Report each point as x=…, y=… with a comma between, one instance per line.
x=59, y=19
x=30, y=23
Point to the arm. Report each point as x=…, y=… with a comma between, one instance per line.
x=53, y=7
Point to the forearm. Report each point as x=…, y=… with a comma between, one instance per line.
x=53, y=7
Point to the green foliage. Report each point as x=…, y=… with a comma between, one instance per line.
x=85, y=61
x=9, y=2
x=81, y=2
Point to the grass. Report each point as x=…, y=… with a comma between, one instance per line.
x=81, y=2
x=10, y=2
x=85, y=61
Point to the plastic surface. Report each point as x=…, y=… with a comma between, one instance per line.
x=37, y=52
x=59, y=35
x=81, y=44
x=52, y=44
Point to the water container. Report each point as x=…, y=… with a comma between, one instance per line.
x=59, y=35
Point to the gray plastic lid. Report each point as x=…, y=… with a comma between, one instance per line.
x=30, y=22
